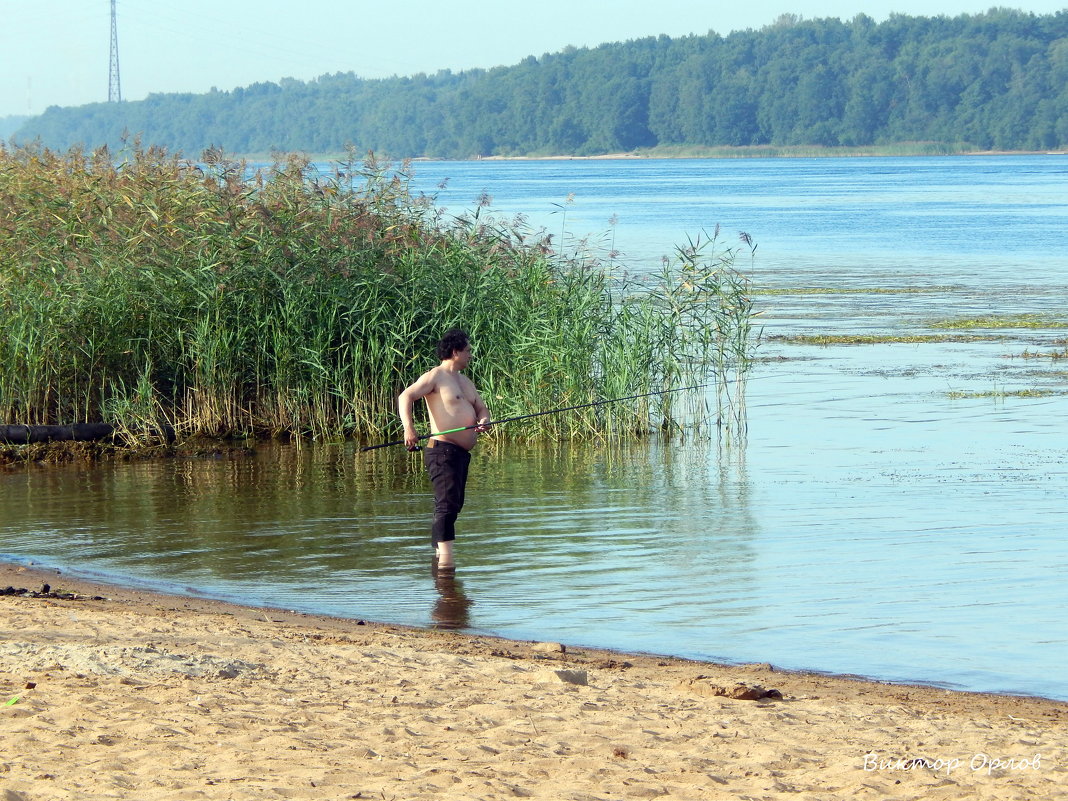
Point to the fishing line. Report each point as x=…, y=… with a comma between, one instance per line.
x=535, y=414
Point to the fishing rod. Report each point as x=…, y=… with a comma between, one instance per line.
x=535, y=414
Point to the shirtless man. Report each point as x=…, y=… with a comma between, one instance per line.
x=453, y=402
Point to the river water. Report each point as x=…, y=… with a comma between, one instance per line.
x=895, y=510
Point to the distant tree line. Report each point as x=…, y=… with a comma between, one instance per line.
x=997, y=80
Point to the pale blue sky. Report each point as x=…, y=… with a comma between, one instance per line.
x=55, y=52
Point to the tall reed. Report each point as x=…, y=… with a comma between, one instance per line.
x=148, y=290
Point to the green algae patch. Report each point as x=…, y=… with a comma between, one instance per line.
x=827, y=290
x=1009, y=321
x=877, y=339
x=1004, y=393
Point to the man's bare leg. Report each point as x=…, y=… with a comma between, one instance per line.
x=444, y=553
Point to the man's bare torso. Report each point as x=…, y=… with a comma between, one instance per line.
x=451, y=404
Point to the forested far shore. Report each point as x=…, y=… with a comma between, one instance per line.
x=895, y=149
x=992, y=81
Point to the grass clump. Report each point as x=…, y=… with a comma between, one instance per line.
x=155, y=292
x=1053, y=355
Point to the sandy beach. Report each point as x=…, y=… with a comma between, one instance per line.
x=121, y=694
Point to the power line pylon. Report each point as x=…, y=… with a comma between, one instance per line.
x=114, y=85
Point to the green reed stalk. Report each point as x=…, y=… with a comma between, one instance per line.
x=144, y=289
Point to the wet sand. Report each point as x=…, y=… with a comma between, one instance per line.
x=118, y=693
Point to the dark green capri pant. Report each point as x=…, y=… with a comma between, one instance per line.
x=447, y=466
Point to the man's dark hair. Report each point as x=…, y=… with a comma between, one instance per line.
x=454, y=340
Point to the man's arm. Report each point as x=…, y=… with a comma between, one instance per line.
x=422, y=387
x=482, y=414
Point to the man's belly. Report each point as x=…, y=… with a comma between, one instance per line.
x=465, y=439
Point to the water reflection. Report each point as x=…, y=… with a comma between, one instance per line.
x=326, y=528
x=451, y=609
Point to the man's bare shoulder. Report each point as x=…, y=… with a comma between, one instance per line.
x=426, y=383
x=442, y=376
